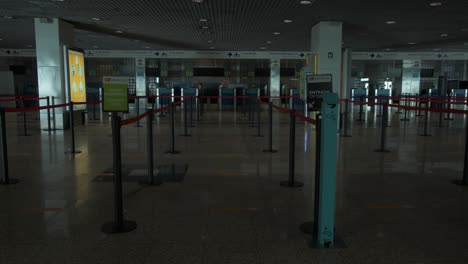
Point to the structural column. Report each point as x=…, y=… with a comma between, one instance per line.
x=140, y=73
x=275, y=81
x=52, y=35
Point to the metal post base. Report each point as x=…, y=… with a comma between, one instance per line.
x=270, y=150
x=258, y=136
x=346, y=136
x=449, y=119
x=73, y=152
x=425, y=135
x=10, y=181
x=188, y=135
x=172, y=152
x=404, y=119
x=112, y=228
x=50, y=130
x=382, y=150
x=460, y=183
x=296, y=184
x=360, y=120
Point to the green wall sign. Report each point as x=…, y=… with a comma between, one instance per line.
x=115, y=94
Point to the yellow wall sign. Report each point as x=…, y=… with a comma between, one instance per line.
x=77, y=80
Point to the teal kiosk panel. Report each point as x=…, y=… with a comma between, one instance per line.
x=165, y=96
x=328, y=163
x=190, y=92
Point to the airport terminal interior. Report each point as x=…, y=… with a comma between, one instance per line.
x=233, y=131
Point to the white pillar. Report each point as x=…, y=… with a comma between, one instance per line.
x=275, y=77
x=346, y=73
x=140, y=81
x=326, y=50
x=52, y=35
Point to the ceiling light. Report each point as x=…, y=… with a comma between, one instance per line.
x=268, y=42
x=263, y=48
x=411, y=43
x=203, y=20
x=434, y=4
x=7, y=17
x=305, y=2
x=276, y=33
x=436, y=49
x=1, y=39
x=212, y=47
x=387, y=49
x=444, y=35
x=119, y=31
x=390, y=22
x=96, y=19
x=147, y=47
x=205, y=27
x=197, y=1
x=210, y=41
x=287, y=21
x=58, y=0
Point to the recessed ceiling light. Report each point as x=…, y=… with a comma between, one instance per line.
x=96, y=19
x=436, y=49
x=444, y=35
x=119, y=31
x=1, y=39
x=387, y=49
x=147, y=47
x=305, y=2
x=7, y=17
x=434, y=4
x=263, y=48
x=210, y=41
x=203, y=20
x=58, y=0
x=287, y=21
x=197, y=1
x=411, y=43
x=212, y=47
x=276, y=33
x=390, y=22
x=205, y=27
x=268, y=42
x=95, y=47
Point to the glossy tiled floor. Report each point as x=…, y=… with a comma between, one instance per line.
x=399, y=207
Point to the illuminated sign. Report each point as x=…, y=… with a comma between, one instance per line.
x=76, y=77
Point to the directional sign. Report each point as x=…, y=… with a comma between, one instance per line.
x=317, y=85
x=115, y=94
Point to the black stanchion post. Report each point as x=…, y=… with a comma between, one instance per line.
x=172, y=150
x=399, y=104
x=198, y=108
x=137, y=100
x=49, y=126
x=383, y=127
x=186, y=134
x=25, y=126
x=6, y=180
x=420, y=102
x=151, y=180
x=449, y=107
x=258, y=118
x=379, y=106
x=345, y=120
x=464, y=180
x=405, y=118
x=191, y=111
x=361, y=108
x=119, y=225
x=72, y=129
x=292, y=152
x=270, y=129
x=426, y=121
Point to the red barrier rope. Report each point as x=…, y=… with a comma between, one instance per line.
x=297, y=114
x=34, y=108
x=138, y=118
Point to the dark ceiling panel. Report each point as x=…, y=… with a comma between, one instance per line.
x=241, y=24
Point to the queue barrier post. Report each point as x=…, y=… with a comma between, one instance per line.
x=399, y=104
x=258, y=118
x=72, y=128
x=291, y=182
x=172, y=150
x=197, y=106
x=270, y=129
x=383, y=130
x=6, y=180
x=119, y=225
x=49, y=123
x=361, y=108
x=464, y=180
x=25, y=126
x=150, y=147
x=449, y=107
x=191, y=111
x=405, y=118
x=186, y=134
x=137, y=100
x=426, y=122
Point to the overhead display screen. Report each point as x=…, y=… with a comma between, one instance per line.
x=77, y=81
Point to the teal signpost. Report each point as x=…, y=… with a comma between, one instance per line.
x=328, y=162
